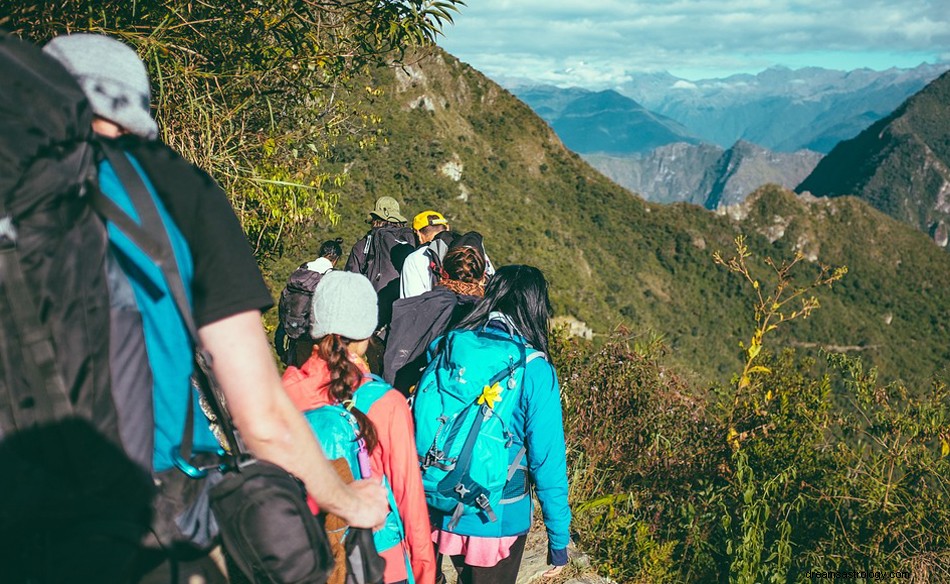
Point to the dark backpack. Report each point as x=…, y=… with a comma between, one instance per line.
x=73, y=506
x=76, y=409
x=295, y=308
x=378, y=249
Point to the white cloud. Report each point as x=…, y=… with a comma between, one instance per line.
x=603, y=40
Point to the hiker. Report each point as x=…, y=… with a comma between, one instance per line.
x=223, y=282
x=492, y=375
x=423, y=267
x=419, y=320
x=292, y=337
x=370, y=255
x=344, y=317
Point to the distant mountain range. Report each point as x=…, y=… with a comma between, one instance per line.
x=900, y=165
x=780, y=109
x=705, y=174
x=604, y=121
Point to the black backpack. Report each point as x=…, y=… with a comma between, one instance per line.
x=378, y=249
x=73, y=506
x=294, y=308
x=77, y=502
x=292, y=338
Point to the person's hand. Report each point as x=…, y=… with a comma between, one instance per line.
x=369, y=504
x=554, y=571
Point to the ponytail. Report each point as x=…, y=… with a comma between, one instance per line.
x=345, y=377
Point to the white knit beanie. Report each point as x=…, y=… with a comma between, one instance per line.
x=344, y=303
x=112, y=76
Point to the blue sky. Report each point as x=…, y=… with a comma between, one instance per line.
x=598, y=43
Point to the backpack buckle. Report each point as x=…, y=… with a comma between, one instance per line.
x=432, y=458
x=482, y=502
x=511, y=373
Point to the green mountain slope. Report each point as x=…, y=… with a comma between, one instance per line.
x=452, y=140
x=900, y=165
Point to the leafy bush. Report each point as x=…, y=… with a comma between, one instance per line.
x=248, y=89
x=798, y=465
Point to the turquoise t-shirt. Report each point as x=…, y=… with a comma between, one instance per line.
x=168, y=344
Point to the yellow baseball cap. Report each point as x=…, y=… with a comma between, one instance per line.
x=427, y=218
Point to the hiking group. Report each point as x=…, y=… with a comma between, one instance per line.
x=146, y=432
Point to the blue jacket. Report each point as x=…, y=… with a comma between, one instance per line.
x=538, y=425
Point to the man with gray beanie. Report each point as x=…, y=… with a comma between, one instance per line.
x=113, y=78
x=226, y=289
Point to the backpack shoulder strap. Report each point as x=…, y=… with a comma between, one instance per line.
x=371, y=391
x=536, y=355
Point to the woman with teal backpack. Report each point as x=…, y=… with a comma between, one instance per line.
x=488, y=427
x=335, y=383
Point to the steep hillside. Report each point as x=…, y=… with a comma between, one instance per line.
x=704, y=174
x=900, y=165
x=603, y=121
x=452, y=140
x=675, y=173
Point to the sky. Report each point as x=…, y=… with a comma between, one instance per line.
x=599, y=43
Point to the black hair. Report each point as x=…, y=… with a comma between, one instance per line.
x=332, y=249
x=521, y=293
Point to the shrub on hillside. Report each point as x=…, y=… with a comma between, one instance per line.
x=796, y=466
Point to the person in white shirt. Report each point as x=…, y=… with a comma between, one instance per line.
x=434, y=234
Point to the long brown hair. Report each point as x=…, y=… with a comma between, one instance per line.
x=345, y=377
x=465, y=264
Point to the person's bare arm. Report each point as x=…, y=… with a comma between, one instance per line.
x=272, y=427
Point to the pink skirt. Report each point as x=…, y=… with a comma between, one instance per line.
x=483, y=552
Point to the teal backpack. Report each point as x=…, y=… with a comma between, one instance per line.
x=463, y=409
x=336, y=429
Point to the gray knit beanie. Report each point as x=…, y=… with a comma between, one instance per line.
x=112, y=76
x=344, y=303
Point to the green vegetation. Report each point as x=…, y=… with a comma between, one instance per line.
x=783, y=472
x=248, y=90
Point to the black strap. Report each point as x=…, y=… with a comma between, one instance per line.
x=45, y=398
x=152, y=238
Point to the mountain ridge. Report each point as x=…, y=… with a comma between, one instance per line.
x=705, y=174
x=607, y=122
x=780, y=108
x=900, y=164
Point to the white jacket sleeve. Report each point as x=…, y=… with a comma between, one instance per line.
x=415, y=278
